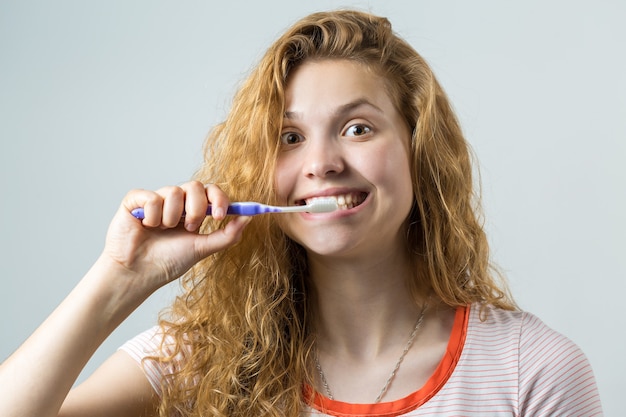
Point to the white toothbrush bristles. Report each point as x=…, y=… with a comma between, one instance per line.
x=322, y=205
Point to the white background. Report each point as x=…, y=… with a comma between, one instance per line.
x=97, y=98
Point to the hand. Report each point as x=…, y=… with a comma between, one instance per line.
x=164, y=245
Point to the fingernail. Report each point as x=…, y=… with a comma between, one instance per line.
x=218, y=213
x=191, y=227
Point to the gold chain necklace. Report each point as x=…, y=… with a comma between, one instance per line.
x=383, y=391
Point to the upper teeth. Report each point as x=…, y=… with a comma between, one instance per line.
x=344, y=201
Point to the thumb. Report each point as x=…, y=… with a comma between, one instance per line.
x=222, y=238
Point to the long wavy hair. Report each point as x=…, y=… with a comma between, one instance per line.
x=240, y=340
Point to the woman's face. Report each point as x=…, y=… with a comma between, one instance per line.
x=343, y=137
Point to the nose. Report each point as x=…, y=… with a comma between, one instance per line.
x=323, y=158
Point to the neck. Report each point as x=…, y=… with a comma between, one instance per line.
x=356, y=302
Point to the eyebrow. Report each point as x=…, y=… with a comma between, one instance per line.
x=341, y=110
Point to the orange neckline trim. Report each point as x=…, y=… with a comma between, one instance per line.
x=412, y=401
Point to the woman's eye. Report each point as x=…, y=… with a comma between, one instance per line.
x=290, y=138
x=358, y=130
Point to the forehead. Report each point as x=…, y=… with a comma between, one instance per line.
x=335, y=82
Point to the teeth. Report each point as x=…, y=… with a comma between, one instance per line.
x=344, y=201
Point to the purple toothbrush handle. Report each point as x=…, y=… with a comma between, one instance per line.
x=242, y=208
x=248, y=208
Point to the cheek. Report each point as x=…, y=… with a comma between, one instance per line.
x=284, y=178
x=393, y=173
x=392, y=168
x=404, y=180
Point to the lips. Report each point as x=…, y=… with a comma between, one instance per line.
x=344, y=201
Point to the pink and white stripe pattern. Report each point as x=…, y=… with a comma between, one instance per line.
x=511, y=364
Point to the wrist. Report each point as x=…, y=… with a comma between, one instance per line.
x=115, y=291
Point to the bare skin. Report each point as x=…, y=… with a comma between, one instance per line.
x=343, y=135
x=137, y=259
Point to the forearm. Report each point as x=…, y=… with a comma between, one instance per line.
x=37, y=377
x=139, y=257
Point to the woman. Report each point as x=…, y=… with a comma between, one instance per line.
x=386, y=306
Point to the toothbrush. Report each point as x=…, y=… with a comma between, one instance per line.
x=249, y=208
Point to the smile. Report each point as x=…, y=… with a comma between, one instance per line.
x=344, y=201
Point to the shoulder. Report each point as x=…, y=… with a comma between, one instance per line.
x=532, y=336
x=490, y=328
x=151, y=349
x=556, y=377
x=146, y=343
x=553, y=374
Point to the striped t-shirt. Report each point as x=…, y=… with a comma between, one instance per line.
x=509, y=364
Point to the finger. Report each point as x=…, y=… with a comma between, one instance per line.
x=173, y=205
x=151, y=202
x=222, y=238
x=196, y=203
x=218, y=199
